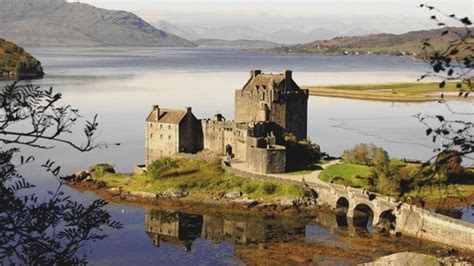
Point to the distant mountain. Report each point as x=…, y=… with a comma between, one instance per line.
x=232, y=33
x=184, y=32
x=236, y=43
x=59, y=23
x=16, y=63
x=394, y=44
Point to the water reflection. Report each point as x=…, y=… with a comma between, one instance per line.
x=178, y=229
x=181, y=229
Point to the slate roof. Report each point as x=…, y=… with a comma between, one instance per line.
x=265, y=81
x=168, y=116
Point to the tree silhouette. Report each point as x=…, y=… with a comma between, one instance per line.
x=50, y=231
x=453, y=63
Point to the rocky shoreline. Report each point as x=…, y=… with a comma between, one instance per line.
x=233, y=201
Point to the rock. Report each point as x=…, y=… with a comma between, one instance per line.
x=267, y=206
x=101, y=184
x=233, y=195
x=80, y=175
x=175, y=194
x=246, y=202
x=142, y=195
x=114, y=191
x=411, y=258
x=287, y=203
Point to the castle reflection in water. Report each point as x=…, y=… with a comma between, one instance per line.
x=182, y=229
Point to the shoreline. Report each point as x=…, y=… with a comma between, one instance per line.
x=210, y=205
x=409, y=92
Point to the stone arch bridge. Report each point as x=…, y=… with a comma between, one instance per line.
x=403, y=218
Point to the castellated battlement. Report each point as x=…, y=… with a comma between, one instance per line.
x=266, y=108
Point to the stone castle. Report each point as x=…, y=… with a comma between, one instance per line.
x=268, y=107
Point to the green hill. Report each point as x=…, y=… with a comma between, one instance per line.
x=16, y=63
x=409, y=43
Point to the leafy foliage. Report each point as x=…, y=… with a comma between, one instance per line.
x=300, y=152
x=454, y=63
x=101, y=169
x=369, y=155
x=14, y=60
x=49, y=231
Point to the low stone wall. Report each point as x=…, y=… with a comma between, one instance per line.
x=237, y=172
x=423, y=224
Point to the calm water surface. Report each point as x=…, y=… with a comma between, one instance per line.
x=121, y=85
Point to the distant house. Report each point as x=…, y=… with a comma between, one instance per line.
x=171, y=131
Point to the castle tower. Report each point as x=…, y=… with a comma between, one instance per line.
x=263, y=112
x=286, y=103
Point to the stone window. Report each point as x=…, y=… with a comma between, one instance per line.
x=151, y=135
x=161, y=136
x=169, y=126
x=169, y=136
x=161, y=126
x=151, y=125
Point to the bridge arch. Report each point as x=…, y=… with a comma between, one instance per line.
x=387, y=221
x=342, y=207
x=363, y=218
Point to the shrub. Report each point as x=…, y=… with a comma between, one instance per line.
x=294, y=190
x=300, y=152
x=101, y=169
x=268, y=188
x=249, y=188
x=157, y=169
x=369, y=155
x=380, y=158
x=448, y=164
x=388, y=186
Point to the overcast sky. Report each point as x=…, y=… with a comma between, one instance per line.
x=380, y=15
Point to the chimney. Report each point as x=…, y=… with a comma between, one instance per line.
x=189, y=110
x=156, y=110
x=288, y=78
x=219, y=117
x=255, y=72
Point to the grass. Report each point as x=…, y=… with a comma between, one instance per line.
x=354, y=175
x=308, y=169
x=346, y=174
x=402, y=91
x=433, y=194
x=205, y=178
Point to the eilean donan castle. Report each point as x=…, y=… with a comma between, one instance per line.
x=268, y=107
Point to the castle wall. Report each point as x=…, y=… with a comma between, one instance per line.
x=270, y=160
x=161, y=140
x=297, y=113
x=217, y=134
x=190, y=135
x=287, y=109
x=247, y=105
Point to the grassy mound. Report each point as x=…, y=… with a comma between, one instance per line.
x=198, y=177
x=347, y=174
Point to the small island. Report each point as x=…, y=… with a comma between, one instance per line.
x=16, y=63
x=263, y=162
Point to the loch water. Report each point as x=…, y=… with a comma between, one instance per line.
x=121, y=85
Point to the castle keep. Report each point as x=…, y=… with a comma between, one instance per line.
x=267, y=108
